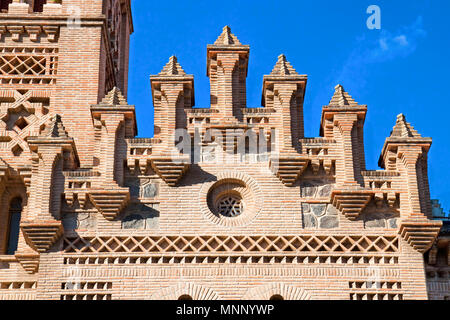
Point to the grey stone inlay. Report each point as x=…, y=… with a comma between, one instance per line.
x=332, y=211
x=149, y=190
x=380, y=220
x=318, y=209
x=329, y=222
x=133, y=221
x=140, y=216
x=320, y=215
x=316, y=188
x=306, y=208
x=392, y=223
x=325, y=191
x=309, y=221
x=84, y=221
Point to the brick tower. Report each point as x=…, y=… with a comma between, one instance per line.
x=225, y=202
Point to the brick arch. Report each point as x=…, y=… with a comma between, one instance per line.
x=288, y=292
x=197, y=292
x=13, y=189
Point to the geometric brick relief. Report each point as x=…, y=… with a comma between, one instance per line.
x=272, y=259
x=319, y=215
x=276, y=291
x=232, y=259
x=86, y=290
x=438, y=274
x=375, y=290
x=114, y=26
x=375, y=285
x=375, y=296
x=22, y=114
x=438, y=290
x=18, y=295
x=140, y=216
x=28, y=65
x=31, y=34
x=82, y=296
x=77, y=186
x=18, y=290
x=232, y=244
x=185, y=291
x=20, y=285
x=100, y=286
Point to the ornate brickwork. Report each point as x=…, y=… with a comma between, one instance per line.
x=226, y=202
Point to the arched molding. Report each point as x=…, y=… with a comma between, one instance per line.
x=265, y=292
x=197, y=292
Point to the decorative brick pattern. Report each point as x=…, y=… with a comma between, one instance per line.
x=226, y=202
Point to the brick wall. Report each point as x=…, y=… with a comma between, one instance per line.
x=110, y=216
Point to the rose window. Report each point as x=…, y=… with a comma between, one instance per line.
x=230, y=206
x=234, y=199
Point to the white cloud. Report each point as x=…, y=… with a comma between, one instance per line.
x=369, y=52
x=401, y=40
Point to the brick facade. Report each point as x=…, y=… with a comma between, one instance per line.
x=227, y=202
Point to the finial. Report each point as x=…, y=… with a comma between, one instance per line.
x=401, y=117
x=227, y=38
x=172, y=68
x=283, y=67
x=282, y=57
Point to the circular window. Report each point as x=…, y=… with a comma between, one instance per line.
x=230, y=205
x=234, y=199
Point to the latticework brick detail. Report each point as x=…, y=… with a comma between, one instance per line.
x=375, y=296
x=95, y=286
x=28, y=65
x=29, y=261
x=288, y=168
x=375, y=290
x=351, y=202
x=420, y=234
x=232, y=244
x=97, y=296
x=42, y=235
x=94, y=290
x=32, y=106
x=238, y=258
x=110, y=202
x=170, y=169
x=18, y=285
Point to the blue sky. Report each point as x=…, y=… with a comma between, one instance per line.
x=401, y=68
